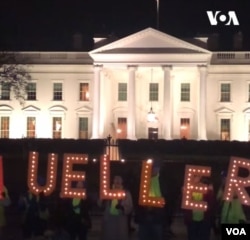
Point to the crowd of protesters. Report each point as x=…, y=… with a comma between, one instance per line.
x=70, y=219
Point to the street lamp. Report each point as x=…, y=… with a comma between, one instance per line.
x=157, y=14
x=151, y=116
x=109, y=143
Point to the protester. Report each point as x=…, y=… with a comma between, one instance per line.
x=231, y=212
x=129, y=183
x=4, y=202
x=151, y=220
x=43, y=215
x=199, y=223
x=29, y=205
x=115, y=219
x=59, y=217
x=79, y=217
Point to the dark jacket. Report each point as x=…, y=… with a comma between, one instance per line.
x=83, y=218
x=154, y=215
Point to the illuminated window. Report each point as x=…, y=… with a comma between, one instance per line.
x=84, y=92
x=121, y=131
x=31, y=91
x=57, y=127
x=225, y=91
x=152, y=133
x=185, y=128
x=225, y=129
x=185, y=92
x=57, y=91
x=31, y=127
x=153, y=91
x=5, y=127
x=5, y=92
x=122, y=92
x=83, y=127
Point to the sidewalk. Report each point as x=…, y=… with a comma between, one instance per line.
x=178, y=228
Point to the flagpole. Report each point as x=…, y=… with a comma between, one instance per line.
x=157, y=14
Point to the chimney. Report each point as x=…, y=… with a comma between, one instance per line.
x=77, y=41
x=213, y=42
x=238, y=41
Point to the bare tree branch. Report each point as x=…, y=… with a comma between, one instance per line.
x=14, y=75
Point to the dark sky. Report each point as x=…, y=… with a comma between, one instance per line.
x=20, y=19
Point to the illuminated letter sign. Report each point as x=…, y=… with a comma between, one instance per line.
x=105, y=191
x=234, y=183
x=190, y=187
x=68, y=175
x=50, y=185
x=144, y=198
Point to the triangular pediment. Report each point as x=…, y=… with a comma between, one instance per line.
x=149, y=41
x=247, y=110
x=58, y=108
x=224, y=110
x=84, y=109
x=31, y=108
x=5, y=108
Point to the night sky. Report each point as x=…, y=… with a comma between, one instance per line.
x=23, y=20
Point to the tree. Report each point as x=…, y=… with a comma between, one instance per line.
x=14, y=75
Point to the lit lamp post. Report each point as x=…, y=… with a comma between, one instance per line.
x=157, y=14
x=151, y=115
x=109, y=143
x=118, y=132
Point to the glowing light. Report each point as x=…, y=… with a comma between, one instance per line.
x=234, y=183
x=144, y=198
x=187, y=202
x=69, y=176
x=118, y=130
x=50, y=185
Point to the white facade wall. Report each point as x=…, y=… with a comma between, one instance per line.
x=110, y=67
x=45, y=108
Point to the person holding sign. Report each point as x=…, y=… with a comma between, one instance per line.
x=151, y=218
x=79, y=217
x=29, y=206
x=4, y=202
x=115, y=220
x=199, y=222
x=231, y=212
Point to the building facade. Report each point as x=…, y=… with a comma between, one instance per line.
x=146, y=85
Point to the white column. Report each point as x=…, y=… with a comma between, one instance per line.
x=96, y=102
x=131, y=103
x=167, y=103
x=202, y=132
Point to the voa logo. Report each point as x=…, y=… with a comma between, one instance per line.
x=236, y=231
x=218, y=17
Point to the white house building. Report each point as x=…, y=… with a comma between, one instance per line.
x=191, y=92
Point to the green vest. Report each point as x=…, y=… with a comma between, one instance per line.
x=232, y=212
x=76, y=205
x=154, y=190
x=198, y=215
x=113, y=210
